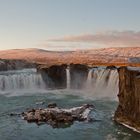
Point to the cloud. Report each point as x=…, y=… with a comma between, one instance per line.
x=60, y=45
x=110, y=39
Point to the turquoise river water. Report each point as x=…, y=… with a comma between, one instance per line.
x=14, y=128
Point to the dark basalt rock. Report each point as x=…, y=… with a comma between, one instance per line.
x=54, y=76
x=14, y=114
x=52, y=105
x=6, y=64
x=78, y=75
x=128, y=111
x=111, y=67
x=58, y=117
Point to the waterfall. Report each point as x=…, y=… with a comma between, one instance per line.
x=89, y=79
x=113, y=81
x=21, y=80
x=68, y=77
x=102, y=77
x=102, y=83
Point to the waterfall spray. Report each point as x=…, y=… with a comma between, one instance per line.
x=102, y=83
x=21, y=80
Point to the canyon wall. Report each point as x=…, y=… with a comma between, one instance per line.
x=6, y=64
x=128, y=111
x=54, y=76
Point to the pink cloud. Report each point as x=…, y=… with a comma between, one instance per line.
x=112, y=38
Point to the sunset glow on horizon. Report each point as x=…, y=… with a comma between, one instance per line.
x=69, y=24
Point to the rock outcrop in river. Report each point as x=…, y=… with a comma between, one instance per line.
x=58, y=117
x=128, y=111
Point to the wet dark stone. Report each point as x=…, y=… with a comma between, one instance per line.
x=57, y=117
x=111, y=67
x=52, y=105
x=54, y=76
x=14, y=114
x=7, y=64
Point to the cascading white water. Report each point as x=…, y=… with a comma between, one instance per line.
x=102, y=77
x=89, y=79
x=113, y=82
x=68, y=77
x=21, y=80
x=102, y=83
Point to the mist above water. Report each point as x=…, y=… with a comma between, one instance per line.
x=103, y=83
x=100, y=83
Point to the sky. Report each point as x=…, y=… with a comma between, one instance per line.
x=69, y=24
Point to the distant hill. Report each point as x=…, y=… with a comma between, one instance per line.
x=104, y=56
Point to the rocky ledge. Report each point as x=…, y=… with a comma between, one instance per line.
x=7, y=64
x=58, y=117
x=128, y=111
